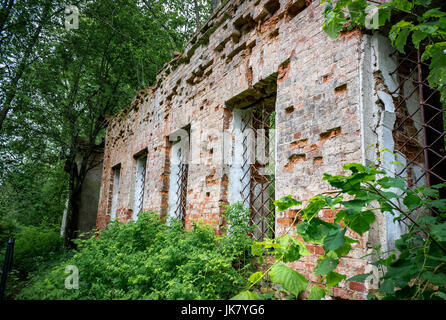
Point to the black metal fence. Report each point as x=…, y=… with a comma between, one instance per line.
x=7, y=265
x=419, y=131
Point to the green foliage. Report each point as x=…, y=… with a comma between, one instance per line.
x=34, y=248
x=333, y=278
x=245, y=295
x=33, y=245
x=292, y=281
x=148, y=259
x=286, y=203
x=57, y=87
x=31, y=194
x=414, y=271
x=237, y=219
x=418, y=22
x=317, y=293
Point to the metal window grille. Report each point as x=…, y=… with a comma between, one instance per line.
x=116, y=174
x=258, y=176
x=180, y=211
x=419, y=131
x=142, y=178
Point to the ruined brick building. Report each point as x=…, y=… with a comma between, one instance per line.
x=260, y=65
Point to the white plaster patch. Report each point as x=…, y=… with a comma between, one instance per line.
x=387, y=100
x=236, y=179
x=382, y=51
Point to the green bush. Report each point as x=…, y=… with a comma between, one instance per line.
x=416, y=270
x=148, y=259
x=33, y=245
x=8, y=228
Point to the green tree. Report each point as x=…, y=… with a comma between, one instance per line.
x=59, y=87
x=420, y=23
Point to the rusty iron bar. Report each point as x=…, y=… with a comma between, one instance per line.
x=429, y=125
x=258, y=198
x=180, y=211
x=423, y=118
x=142, y=181
x=427, y=149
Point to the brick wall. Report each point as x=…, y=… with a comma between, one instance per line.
x=318, y=121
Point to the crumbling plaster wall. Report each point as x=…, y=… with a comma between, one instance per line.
x=320, y=116
x=379, y=99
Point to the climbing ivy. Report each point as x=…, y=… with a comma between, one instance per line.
x=416, y=269
x=419, y=22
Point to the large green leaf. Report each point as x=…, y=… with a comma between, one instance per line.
x=290, y=249
x=246, y=295
x=412, y=201
x=257, y=248
x=387, y=287
x=325, y=266
x=384, y=15
x=255, y=277
x=357, y=12
x=358, y=221
x=436, y=52
x=286, y=203
x=292, y=281
x=316, y=231
x=333, y=278
x=424, y=3
x=399, y=33
x=390, y=182
x=434, y=13
x=355, y=204
x=334, y=240
x=317, y=293
x=313, y=207
x=346, y=247
x=438, y=279
x=334, y=23
x=439, y=231
x=405, y=5
x=359, y=278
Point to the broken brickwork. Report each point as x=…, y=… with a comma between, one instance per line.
x=271, y=52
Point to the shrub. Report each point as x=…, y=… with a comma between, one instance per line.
x=8, y=228
x=148, y=259
x=33, y=245
x=415, y=270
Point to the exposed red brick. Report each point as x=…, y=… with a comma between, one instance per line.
x=289, y=109
x=297, y=135
x=284, y=68
x=298, y=144
x=341, y=88
x=311, y=147
x=330, y=134
x=293, y=159
x=355, y=33
x=357, y=286
x=326, y=78
x=317, y=161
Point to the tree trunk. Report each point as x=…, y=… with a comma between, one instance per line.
x=72, y=169
x=197, y=14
